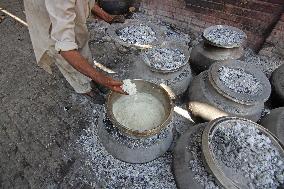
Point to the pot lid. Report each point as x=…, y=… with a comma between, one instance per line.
x=224, y=36
x=240, y=82
x=167, y=57
x=135, y=33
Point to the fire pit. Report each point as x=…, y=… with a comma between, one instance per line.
x=234, y=88
x=142, y=131
x=221, y=43
x=167, y=64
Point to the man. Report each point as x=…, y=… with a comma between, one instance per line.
x=59, y=35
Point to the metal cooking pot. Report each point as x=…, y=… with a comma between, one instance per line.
x=134, y=146
x=115, y=6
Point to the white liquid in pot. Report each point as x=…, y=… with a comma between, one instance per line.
x=140, y=112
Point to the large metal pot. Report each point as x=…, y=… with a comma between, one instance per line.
x=204, y=55
x=138, y=146
x=225, y=176
x=277, y=82
x=177, y=80
x=184, y=175
x=206, y=90
x=115, y=6
x=274, y=122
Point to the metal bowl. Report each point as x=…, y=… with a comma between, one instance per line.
x=146, y=87
x=213, y=165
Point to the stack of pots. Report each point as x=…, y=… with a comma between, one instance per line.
x=208, y=89
x=177, y=78
x=209, y=51
x=135, y=146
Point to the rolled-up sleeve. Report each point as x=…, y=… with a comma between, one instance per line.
x=62, y=15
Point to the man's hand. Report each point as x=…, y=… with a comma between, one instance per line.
x=77, y=61
x=99, y=12
x=110, y=83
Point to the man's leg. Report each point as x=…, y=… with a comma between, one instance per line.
x=79, y=82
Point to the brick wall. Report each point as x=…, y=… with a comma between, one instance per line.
x=256, y=17
x=276, y=37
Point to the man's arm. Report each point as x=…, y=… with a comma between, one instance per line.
x=98, y=11
x=62, y=16
x=76, y=60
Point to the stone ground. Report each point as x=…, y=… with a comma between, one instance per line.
x=40, y=116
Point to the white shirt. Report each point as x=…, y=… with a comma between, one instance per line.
x=57, y=25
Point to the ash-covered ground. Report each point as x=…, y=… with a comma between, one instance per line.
x=46, y=138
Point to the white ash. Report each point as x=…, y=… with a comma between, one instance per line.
x=112, y=173
x=265, y=112
x=137, y=34
x=197, y=165
x=266, y=64
x=166, y=58
x=224, y=36
x=133, y=142
x=175, y=35
x=240, y=146
x=129, y=87
x=239, y=81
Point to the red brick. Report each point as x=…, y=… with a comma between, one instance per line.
x=207, y=4
x=256, y=5
x=248, y=13
x=282, y=17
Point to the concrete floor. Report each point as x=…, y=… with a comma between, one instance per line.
x=40, y=115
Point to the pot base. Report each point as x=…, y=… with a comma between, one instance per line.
x=133, y=149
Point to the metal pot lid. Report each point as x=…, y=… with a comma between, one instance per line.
x=223, y=174
x=135, y=33
x=240, y=82
x=224, y=36
x=167, y=57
